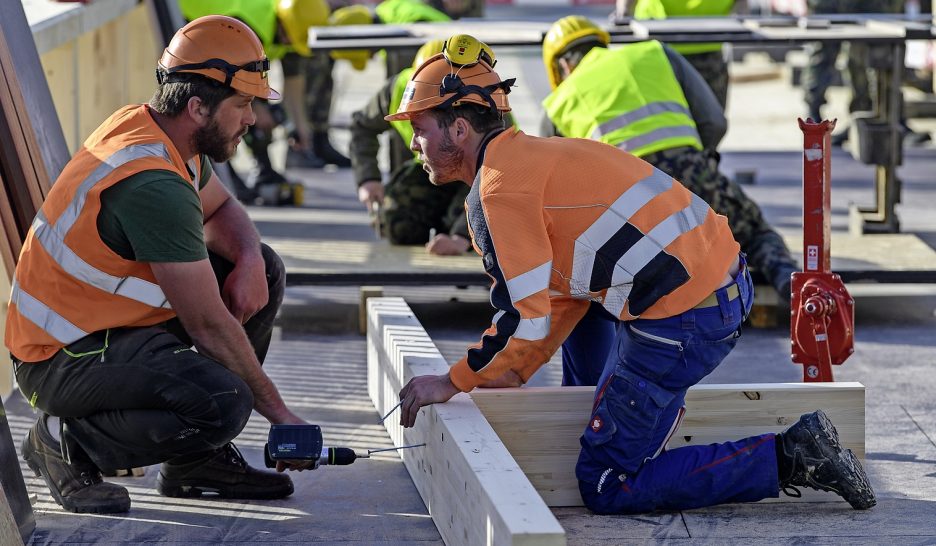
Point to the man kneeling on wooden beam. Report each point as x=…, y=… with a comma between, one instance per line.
x=653, y=255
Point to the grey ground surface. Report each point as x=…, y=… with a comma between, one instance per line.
x=318, y=360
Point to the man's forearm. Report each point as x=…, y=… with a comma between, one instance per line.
x=231, y=234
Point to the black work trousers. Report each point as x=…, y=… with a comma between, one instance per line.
x=148, y=397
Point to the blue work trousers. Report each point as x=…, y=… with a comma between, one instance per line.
x=624, y=466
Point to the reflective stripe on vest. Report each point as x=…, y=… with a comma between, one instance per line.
x=404, y=128
x=44, y=317
x=628, y=97
x=662, y=9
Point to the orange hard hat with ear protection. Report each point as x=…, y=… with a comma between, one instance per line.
x=462, y=74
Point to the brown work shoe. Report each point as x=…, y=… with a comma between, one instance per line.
x=224, y=473
x=77, y=486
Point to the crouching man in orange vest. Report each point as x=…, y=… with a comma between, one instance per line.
x=563, y=224
x=138, y=256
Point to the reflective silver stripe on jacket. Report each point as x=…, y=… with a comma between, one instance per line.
x=657, y=135
x=648, y=247
x=532, y=329
x=606, y=225
x=646, y=111
x=45, y=318
x=530, y=282
x=52, y=238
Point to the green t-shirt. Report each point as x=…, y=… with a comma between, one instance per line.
x=154, y=216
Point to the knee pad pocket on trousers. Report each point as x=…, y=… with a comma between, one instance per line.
x=630, y=411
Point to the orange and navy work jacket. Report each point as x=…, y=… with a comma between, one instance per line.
x=68, y=283
x=562, y=222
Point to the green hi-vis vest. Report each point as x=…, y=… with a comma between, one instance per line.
x=662, y=9
x=259, y=15
x=399, y=12
x=399, y=85
x=626, y=97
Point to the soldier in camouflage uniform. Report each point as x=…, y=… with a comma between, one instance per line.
x=410, y=205
x=821, y=69
x=691, y=160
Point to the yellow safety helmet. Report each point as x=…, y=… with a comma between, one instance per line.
x=565, y=33
x=352, y=15
x=297, y=16
x=460, y=74
x=428, y=49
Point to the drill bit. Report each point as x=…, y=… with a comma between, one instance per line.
x=369, y=451
x=393, y=409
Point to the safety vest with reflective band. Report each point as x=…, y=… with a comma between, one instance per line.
x=562, y=222
x=68, y=283
x=627, y=97
x=396, y=97
x=398, y=12
x=259, y=15
x=661, y=9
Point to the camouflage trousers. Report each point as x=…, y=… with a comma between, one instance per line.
x=319, y=84
x=413, y=206
x=765, y=249
x=714, y=70
x=821, y=69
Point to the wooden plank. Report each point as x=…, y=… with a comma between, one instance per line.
x=37, y=119
x=327, y=261
x=541, y=426
x=14, y=488
x=9, y=533
x=472, y=487
x=886, y=258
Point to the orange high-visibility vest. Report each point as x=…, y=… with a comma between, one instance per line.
x=68, y=283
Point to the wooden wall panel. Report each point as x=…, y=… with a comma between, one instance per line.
x=541, y=426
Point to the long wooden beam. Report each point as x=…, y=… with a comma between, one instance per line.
x=470, y=483
x=541, y=426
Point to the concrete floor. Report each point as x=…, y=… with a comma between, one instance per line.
x=318, y=361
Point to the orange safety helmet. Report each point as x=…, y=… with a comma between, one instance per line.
x=221, y=48
x=461, y=74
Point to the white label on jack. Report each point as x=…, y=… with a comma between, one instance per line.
x=812, y=257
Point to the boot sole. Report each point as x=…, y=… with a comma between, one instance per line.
x=193, y=489
x=68, y=504
x=855, y=486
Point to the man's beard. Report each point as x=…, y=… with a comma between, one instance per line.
x=209, y=140
x=450, y=158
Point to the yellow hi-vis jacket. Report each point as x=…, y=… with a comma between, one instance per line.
x=662, y=9
x=396, y=97
x=68, y=283
x=627, y=97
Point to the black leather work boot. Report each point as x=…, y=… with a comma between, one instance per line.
x=224, y=473
x=77, y=484
x=810, y=455
x=323, y=148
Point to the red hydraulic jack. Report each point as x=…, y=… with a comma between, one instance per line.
x=822, y=325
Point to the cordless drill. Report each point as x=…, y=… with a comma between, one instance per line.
x=304, y=443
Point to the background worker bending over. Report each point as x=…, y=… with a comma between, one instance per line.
x=561, y=223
